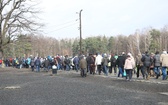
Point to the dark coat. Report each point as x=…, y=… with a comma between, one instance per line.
x=146, y=59
x=113, y=61
x=46, y=63
x=157, y=60
x=90, y=60
x=32, y=62
x=121, y=61
x=105, y=61
x=38, y=62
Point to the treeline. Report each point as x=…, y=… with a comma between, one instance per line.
x=17, y=18
x=151, y=40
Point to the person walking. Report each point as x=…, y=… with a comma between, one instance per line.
x=98, y=62
x=152, y=65
x=37, y=64
x=164, y=62
x=129, y=65
x=92, y=64
x=32, y=64
x=83, y=66
x=46, y=64
x=139, y=65
x=146, y=59
x=113, y=64
x=67, y=63
x=120, y=63
x=105, y=61
x=76, y=63
x=88, y=60
x=59, y=66
x=157, y=64
x=0, y=62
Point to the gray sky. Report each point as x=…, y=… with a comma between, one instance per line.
x=102, y=17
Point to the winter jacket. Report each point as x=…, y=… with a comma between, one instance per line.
x=113, y=61
x=105, y=61
x=46, y=63
x=164, y=60
x=157, y=60
x=32, y=62
x=121, y=61
x=76, y=60
x=59, y=60
x=90, y=60
x=146, y=59
x=129, y=64
x=37, y=62
x=98, y=60
x=83, y=64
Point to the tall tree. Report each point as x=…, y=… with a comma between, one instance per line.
x=111, y=44
x=16, y=17
x=164, y=38
x=155, y=40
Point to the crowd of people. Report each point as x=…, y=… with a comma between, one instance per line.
x=125, y=65
x=37, y=63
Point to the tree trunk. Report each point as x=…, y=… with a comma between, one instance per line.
x=1, y=52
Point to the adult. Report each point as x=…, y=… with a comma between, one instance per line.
x=152, y=65
x=164, y=61
x=146, y=59
x=98, y=62
x=92, y=64
x=139, y=65
x=88, y=62
x=46, y=64
x=0, y=62
x=67, y=63
x=59, y=66
x=105, y=61
x=157, y=64
x=129, y=65
x=76, y=63
x=120, y=62
x=37, y=64
x=32, y=64
x=83, y=66
x=113, y=64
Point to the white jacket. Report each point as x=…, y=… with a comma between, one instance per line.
x=98, y=60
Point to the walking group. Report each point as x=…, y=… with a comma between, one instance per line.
x=148, y=65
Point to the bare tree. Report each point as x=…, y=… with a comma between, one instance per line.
x=164, y=38
x=16, y=17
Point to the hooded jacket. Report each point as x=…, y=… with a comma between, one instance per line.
x=164, y=59
x=128, y=63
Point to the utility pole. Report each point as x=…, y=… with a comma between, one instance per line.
x=80, y=29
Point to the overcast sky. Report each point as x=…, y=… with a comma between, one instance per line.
x=102, y=17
